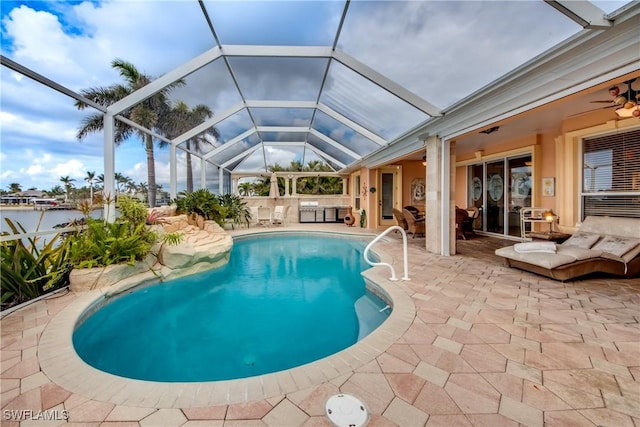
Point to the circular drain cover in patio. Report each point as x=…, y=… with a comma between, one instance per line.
x=345, y=410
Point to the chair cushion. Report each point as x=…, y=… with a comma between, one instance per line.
x=579, y=253
x=617, y=245
x=543, y=247
x=582, y=239
x=541, y=259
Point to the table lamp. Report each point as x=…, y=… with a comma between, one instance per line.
x=549, y=216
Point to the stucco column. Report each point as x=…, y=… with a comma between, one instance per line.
x=286, y=186
x=439, y=197
x=294, y=181
x=345, y=186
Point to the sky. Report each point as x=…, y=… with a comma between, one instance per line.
x=441, y=51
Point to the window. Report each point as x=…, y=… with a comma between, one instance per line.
x=611, y=175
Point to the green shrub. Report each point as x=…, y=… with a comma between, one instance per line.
x=201, y=202
x=29, y=271
x=235, y=208
x=126, y=240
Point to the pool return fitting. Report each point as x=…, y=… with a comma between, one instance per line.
x=404, y=249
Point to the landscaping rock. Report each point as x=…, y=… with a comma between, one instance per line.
x=204, y=246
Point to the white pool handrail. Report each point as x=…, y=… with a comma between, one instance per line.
x=404, y=248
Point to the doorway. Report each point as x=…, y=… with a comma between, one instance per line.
x=387, y=195
x=500, y=189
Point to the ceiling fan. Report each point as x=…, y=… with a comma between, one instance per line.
x=627, y=100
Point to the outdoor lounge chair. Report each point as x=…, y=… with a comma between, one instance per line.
x=264, y=216
x=414, y=226
x=280, y=215
x=602, y=245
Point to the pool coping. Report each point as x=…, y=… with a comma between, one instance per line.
x=63, y=366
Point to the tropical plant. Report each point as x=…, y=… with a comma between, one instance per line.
x=68, y=185
x=147, y=113
x=14, y=187
x=201, y=202
x=91, y=176
x=103, y=243
x=245, y=189
x=235, y=208
x=181, y=119
x=30, y=270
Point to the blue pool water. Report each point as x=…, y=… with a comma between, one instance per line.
x=280, y=302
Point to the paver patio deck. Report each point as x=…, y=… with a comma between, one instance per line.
x=488, y=346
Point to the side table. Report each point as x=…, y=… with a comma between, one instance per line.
x=551, y=236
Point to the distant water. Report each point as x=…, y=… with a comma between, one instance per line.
x=30, y=218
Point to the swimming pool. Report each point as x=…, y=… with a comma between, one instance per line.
x=280, y=302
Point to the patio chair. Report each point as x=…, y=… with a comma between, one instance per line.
x=412, y=209
x=468, y=225
x=402, y=222
x=254, y=215
x=462, y=217
x=264, y=216
x=280, y=215
x=414, y=226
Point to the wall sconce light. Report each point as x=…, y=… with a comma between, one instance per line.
x=424, y=160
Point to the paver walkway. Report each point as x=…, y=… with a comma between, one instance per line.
x=489, y=346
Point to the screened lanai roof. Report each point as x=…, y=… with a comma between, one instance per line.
x=286, y=87
x=285, y=80
x=278, y=79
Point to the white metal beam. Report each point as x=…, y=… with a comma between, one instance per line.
x=164, y=80
x=280, y=104
x=142, y=128
x=109, y=153
x=283, y=144
x=584, y=13
x=324, y=155
x=335, y=144
x=277, y=51
x=208, y=124
x=283, y=129
x=240, y=156
x=351, y=124
x=19, y=68
x=229, y=143
x=173, y=172
x=385, y=83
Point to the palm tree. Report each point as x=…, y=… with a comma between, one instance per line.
x=147, y=113
x=14, y=187
x=245, y=188
x=120, y=181
x=68, y=184
x=182, y=119
x=55, y=191
x=90, y=178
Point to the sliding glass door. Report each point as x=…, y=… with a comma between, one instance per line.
x=499, y=189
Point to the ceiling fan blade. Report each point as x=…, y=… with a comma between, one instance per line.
x=590, y=111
